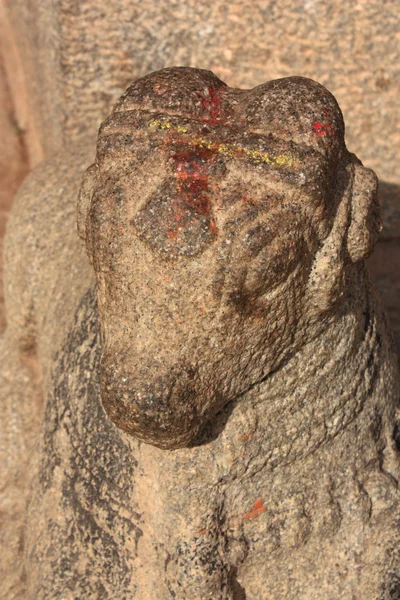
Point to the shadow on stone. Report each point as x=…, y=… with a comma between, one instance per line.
x=389, y=199
x=384, y=264
x=239, y=592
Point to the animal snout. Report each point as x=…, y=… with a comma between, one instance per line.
x=151, y=403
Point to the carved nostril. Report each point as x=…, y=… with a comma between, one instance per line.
x=157, y=408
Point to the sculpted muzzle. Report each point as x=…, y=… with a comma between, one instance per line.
x=207, y=216
x=153, y=405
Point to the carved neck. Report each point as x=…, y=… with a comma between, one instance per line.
x=322, y=388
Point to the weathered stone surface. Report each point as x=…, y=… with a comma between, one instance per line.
x=13, y=165
x=80, y=55
x=69, y=60
x=19, y=150
x=235, y=341
x=384, y=264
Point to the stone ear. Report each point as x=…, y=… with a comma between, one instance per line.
x=354, y=233
x=365, y=223
x=327, y=280
x=84, y=199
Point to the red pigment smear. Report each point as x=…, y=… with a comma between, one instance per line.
x=212, y=104
x=256, y=510
x=213, y=226
x=247, y=436
x=322, y=129
x=192, y=173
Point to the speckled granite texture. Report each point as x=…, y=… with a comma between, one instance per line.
x=67, y=62
x=203, y=405
x=80, y=55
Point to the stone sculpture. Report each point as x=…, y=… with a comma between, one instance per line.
x=247, y=442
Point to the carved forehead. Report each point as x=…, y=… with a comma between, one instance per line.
x=292, y=108
x=178, y=90
x=288, y=124
x=189, y=151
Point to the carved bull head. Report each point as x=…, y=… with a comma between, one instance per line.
x=223, y=226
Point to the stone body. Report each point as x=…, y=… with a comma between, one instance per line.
x=209, y=409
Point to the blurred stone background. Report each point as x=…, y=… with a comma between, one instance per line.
x=63, y=63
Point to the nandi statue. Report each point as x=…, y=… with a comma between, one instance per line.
x=206, y=409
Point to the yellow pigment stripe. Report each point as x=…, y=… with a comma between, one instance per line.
x=231, y=150
x=166, y=125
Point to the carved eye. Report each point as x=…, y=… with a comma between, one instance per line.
x=273, y=250
x=273, y=264
x=257, y=238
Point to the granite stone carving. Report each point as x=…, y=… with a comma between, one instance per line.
x=207, y=408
